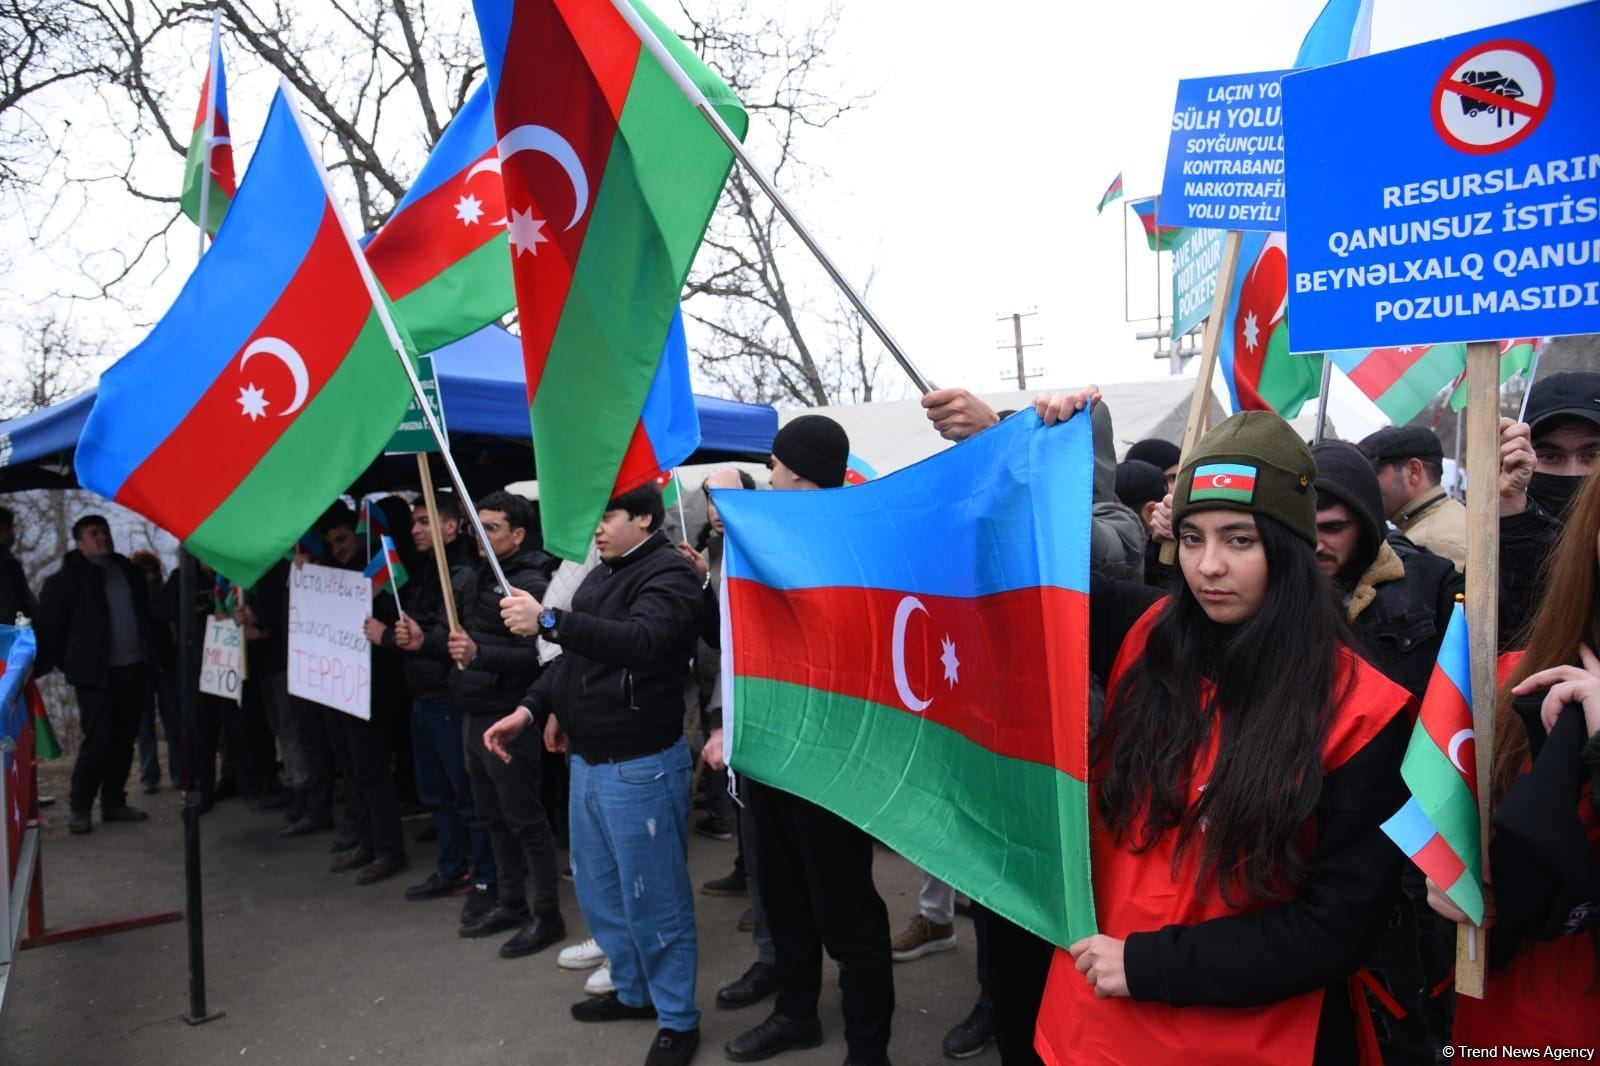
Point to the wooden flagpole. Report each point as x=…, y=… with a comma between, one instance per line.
x=1211, y=340
x=425, y=474
x=1483, y=615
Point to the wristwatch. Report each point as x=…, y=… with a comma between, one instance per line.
x=547, y=623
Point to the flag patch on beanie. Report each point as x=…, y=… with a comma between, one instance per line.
x=1233, y=482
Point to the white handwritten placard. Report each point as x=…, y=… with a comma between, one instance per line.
x=330, y=660
x=222, y=660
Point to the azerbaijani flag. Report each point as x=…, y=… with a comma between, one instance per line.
x=21, y=711
x=1254, y=348
x=669, y=426
x=610, y=179
x=210, y=149
x=1516, y=357
x=373, y=519
x=1438, y=827
x=224, y=596
x=1113, y=192
x=667, y=484
x=857, y=471
x=929, y=682
x=385, y=568
x=442, y=256
x=1160, y=238
x=268, y=385
x=1401, y=381
x=1231, y=482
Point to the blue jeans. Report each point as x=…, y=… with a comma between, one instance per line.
x=630, y=839
x=443, y=788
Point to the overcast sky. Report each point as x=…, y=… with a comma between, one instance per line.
x=968, y=181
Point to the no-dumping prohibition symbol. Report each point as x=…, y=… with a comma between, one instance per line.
x=1493, y=96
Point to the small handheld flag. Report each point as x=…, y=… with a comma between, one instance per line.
x=1517, y=356
x=224, y=597
x=386, y=568
x=1438, y=827
x=373, y=519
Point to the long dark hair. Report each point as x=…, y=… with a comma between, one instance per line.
x=1274, y=679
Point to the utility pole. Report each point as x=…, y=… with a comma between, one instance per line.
x=1019, y=347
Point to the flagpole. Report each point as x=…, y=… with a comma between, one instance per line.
x=189, y=632
x=394, y=582
x=381, y=305
x=1322, y=401
x=1533, y=369
x=683, y=522
x=697, y=99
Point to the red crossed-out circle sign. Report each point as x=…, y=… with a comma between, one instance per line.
x=1492, y=96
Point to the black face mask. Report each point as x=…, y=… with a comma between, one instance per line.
x=1554, y=491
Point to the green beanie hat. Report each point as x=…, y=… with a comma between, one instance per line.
x=1252, y=462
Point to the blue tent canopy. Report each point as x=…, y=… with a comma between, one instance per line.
x=485, y=405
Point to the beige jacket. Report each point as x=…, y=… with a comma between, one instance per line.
x=1436, y=522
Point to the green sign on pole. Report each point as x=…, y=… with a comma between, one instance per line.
x=412, y=435
x=1194, y=278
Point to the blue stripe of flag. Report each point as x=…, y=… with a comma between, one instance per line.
x=1454, y=658
x=996, y=513
x=271, y=224
x=1234, y=469
x=1410, y=828
x=469, y=135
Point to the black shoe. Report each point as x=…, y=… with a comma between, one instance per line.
x=501, y=917
x=438, y=887
x=544, y=930
x=305, y=827
x=608, y=1008
x=354, y=859
x=80, y=822
x=971, y=1036
x=757, y=984
x=123, y=813
x=673, y=1048
x=776, y=1034
x=381, y=869
x=735, y=884
x=343, y=843
x=713, y=828
x=480, y=901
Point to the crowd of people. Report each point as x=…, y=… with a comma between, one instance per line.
x=1250, y=708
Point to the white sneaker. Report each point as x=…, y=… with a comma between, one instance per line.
x=599, y=983
x=584, y=956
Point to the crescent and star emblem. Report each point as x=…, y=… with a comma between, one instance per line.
x=525, y=232
x=1454, y=752
x=908, y=606
x=252, y=398
x=1221, y=481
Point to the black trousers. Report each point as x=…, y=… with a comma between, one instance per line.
x=369, y=780
x=250, y=740
x=506, y=797
x=109, y=717
x=314, y=726
x=816, y=886
x=1018, y=966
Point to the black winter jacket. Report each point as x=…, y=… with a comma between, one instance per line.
x=506, y=664
x=428, y=670
x=617, y=688
x=1401, y=629
x=74, y=623
x=1526, y=540
x=15, y=596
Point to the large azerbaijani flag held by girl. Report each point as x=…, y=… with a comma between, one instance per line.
x=928, y=681
x=267, y=386
x=210, y=156
x=610, y=179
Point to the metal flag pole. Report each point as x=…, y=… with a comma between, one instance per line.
x=683, y=520
x=381, y=306
x=696, y=98
x=1322, y=400
x=189, y=632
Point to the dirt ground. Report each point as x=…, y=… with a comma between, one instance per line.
x=313, y=970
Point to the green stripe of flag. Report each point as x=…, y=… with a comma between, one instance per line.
x=342, y=428
x=1443, y=795
x=460, y=300
x=1413, y=390
x=1011, y=834
x=1232, y=495
x=217, y=199
x=1515, y=360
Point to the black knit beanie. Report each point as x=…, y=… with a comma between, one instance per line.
x=1155, y=451
x=815, y=447
x=1252, y=462
x=1345, y=474
x=1139, y=483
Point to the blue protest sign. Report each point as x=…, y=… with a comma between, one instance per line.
x=1449, y=191
x=1225, y=156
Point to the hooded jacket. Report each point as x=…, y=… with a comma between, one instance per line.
x=617, y=689
x=506, y=664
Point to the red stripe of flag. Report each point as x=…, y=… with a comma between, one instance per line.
x=429, y=236
x=549, y=80
x=326, y=293
x=1382, y=367
x=1440, y=862
x=1446, y=715
x=1241, y=482
x=1011, y=648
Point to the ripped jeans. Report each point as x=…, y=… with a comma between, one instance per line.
x=629, y=830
